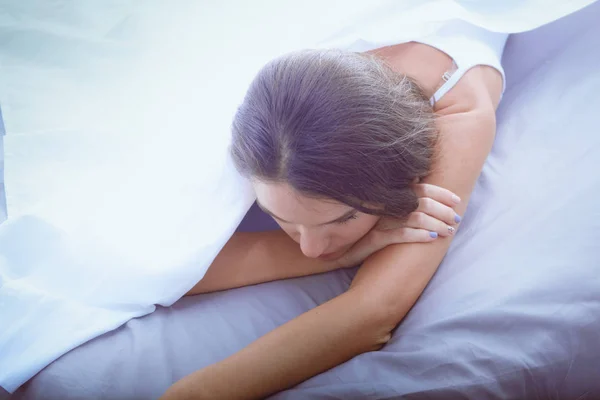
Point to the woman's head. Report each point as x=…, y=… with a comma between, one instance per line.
x=326, y=131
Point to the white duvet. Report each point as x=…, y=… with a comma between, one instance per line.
x=119, y=189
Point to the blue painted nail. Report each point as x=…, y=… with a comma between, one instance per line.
x=457, y=218
x=433, y=235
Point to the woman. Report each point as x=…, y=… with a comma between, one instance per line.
x=338, y=146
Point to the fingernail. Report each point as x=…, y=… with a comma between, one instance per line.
x=433, y=235
x=457, y=218
x=455, y=199
x=451, y=230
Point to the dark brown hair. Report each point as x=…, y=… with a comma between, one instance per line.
x=337, y=125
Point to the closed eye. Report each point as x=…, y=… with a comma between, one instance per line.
x=347, y=219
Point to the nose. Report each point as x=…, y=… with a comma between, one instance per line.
x=313, y=245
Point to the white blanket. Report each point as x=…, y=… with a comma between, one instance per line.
x=119, y=189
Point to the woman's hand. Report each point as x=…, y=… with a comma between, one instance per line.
x=434, y=217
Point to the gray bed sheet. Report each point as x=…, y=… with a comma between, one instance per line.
x=512, y=313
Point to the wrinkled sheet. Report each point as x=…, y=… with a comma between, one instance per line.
x=119, y=189
x=512, y=313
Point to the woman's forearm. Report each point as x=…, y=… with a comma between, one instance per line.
x=249, y=258
x=360, y=320
x=312, y=343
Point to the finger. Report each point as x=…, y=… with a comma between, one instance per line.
x=437, y=193
x=419, y=220
x=438, y=211
x=411, y=235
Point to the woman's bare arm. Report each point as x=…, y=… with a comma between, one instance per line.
x=249, y=258
x=386, y=286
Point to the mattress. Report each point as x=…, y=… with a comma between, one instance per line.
x=513, y=311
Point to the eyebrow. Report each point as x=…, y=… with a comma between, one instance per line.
x=338, y=219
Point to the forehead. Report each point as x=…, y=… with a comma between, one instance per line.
x=287, y=204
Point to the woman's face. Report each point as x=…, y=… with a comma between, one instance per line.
x=324, y=229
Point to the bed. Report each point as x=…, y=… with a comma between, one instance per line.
x=512, y=313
